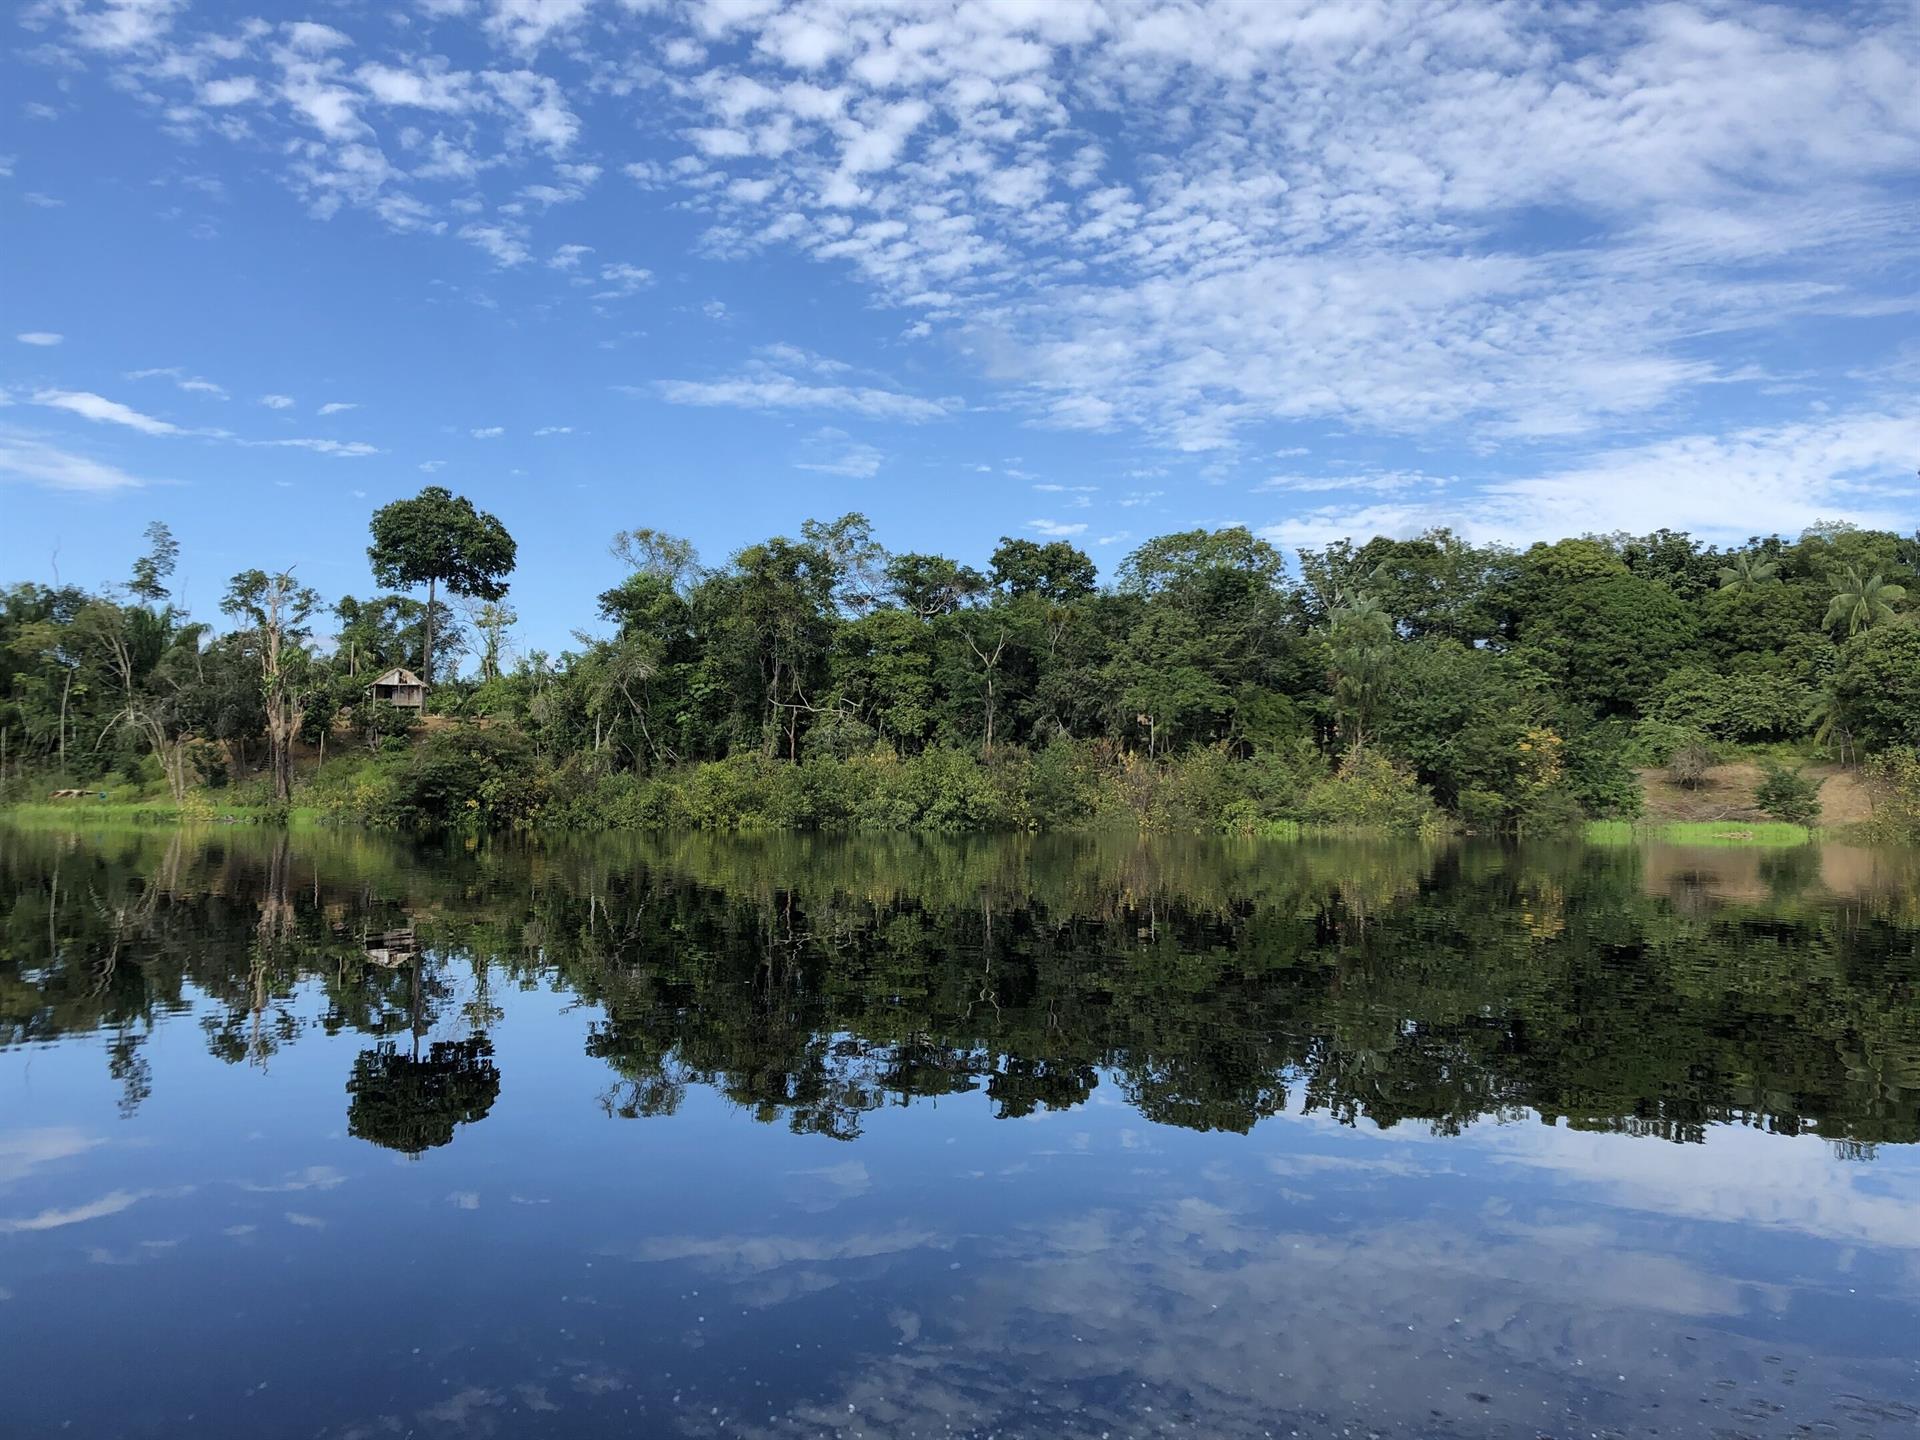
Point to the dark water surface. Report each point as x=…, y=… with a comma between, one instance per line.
x=334, y=1137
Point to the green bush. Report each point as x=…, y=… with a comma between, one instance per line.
x=1894, y=778
x=1788, y=795
x=1748, y=706
x=1371, y=791
x=468, y=777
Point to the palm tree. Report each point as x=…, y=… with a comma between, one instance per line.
x=1749, y=570
x=1863, y=602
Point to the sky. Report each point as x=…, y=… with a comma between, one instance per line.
x=1090, y=269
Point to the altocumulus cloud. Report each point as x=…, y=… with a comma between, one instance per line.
x=1530, y=248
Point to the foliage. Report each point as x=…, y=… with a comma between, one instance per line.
x=1788, y=795
x=1894, y=777
x=1370, y=791
x=1862, y=601
x=815, y=680
x=1875, y=688
x=1744, y=707
x=438, y=538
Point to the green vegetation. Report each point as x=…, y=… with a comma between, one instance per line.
x=1712, y=833
x=1789, y=796
x=823, y=682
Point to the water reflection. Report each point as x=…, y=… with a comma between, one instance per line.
x=1064, y=1138
x=1655, y=993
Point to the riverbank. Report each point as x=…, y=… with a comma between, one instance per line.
x=475, y=778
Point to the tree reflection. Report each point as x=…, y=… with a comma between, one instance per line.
x=812, y=982
x=411, y=1104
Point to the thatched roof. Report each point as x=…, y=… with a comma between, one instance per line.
x=398, y=676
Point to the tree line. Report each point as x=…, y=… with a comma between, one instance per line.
x=824, y=679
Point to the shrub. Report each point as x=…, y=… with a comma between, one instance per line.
x=1894, y=778
x=1689, y=765
x=469, y=777
x=1371, y=791
x=1788, y=795
x=1653, y=742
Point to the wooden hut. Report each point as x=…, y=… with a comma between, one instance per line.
x=400, y=687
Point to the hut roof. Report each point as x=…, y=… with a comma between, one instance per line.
x=398, y=676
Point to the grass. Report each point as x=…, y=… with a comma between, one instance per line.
x=147, y=812
x=1701, y=832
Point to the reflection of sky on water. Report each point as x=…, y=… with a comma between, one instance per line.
x=555, y=1271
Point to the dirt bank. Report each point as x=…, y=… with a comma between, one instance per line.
x=1728, y=794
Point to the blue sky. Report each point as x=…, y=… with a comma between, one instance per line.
x=1087, y=268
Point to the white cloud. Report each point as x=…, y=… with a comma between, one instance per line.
x=230, y=90
x=342, y=449
x=554, y=430
x=101, y=410
x=277, y=402
x=526, y=25
x=1056, y=529
x=1460, y=226
x=51, y=468
x=506, y=246
x=1334, y=225
x=1759, y=480
x=192, y=384
x=431, y=467
x=309, y=36
x=622, y=280
x=123, y=24
x=770, y=384
x=338, y=407
x=828, y=451
x=39, y=337
x=488, y=432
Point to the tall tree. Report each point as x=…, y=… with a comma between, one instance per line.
x=438, y=538
x=493, y=619
x=1053, y=571
x=153, y=569
x=277, y=611
x=1360, y=659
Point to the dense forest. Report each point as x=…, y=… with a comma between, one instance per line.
x=823, y=681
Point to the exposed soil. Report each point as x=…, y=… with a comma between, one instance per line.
x=1728, y=794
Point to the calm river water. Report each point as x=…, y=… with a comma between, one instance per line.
x=334, y=1137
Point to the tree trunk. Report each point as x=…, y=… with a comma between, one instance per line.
x=426, y=648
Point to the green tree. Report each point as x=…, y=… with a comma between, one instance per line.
x=1862, y=601
x=1053, y=571
x=1748, y=570
x=1360, y=659
x=435, y=539
x=1609, y=639
x=153, y=569
x=1788, y=795
x=1873, y=694
x=277, y=613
